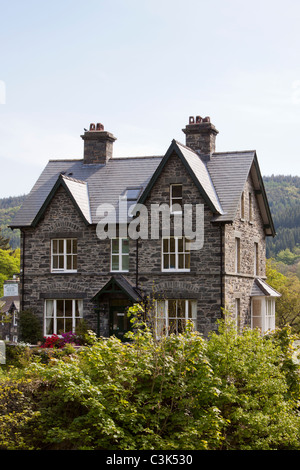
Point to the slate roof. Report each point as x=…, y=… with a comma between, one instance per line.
x=200, y=169
x=220, y=179
x=260, y=288
x=90, y=185
x=229, y=172
x=9, y=303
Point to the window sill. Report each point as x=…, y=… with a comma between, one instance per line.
x=175, y=270
x=119, y=271
x=64, y=272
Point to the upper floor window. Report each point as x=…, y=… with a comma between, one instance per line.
x=256, y=259
x=237, y=254
x=64, y=255
x=120, y=254
x=250, y=207
x=62, y=315
x=176, y=198
x=243, y=205
x=175, y=254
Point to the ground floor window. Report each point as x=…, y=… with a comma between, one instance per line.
x=238, y=314
x=62, y=315
x=263, y=313
x=172, y=315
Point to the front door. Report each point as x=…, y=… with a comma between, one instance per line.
x=119, y=323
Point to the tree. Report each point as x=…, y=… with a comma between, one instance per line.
x=4, y=242
x=9, y=265
x=288, y=306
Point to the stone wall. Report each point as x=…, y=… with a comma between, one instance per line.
x=62, y=220
x=248, y=231
x=203, y=283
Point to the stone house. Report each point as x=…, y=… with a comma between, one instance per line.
x=185, y=230
x=9, y=309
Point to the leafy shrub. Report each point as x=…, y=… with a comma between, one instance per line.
x=183, y=392
x=30, y=328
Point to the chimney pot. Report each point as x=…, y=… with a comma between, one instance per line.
x=198, y=119
x=191, y=120
x=100, y=127
x=92, y=127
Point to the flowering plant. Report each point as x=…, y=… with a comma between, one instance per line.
x=58, y=342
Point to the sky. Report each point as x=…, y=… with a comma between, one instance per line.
x=141, y=68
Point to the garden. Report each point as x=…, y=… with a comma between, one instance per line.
x=229, y=391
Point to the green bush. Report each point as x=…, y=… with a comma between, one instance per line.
x=183, y=392
x=30, y=328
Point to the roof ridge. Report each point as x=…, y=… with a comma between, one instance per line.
x=234, y=151
x=185, y=146
x=72, y=179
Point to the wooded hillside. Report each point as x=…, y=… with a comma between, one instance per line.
x=284, y=198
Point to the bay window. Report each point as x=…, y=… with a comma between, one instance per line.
x=263, y=313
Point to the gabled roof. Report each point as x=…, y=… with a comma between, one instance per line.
x=196, y=169
x=78, y=192
x=103, y=184
x=220, y=178
x=9, y=304
x=260, y=288
x=119, y=283
x=229, y=172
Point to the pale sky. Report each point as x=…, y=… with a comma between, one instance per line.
x=141, y=68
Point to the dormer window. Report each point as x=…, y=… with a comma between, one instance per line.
x=176, y=198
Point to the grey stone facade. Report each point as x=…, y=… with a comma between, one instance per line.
x=211, y=282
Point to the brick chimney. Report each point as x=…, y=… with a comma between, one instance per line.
x=98, y=144
x=201, y=135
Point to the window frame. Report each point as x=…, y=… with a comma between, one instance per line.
x=165, y=318
x=54, y=317
x=238, y=318
x=250, y=208
x=176, y=254
x=256, y=259
x=243, y=206
x=265, y=320
x=64, y=254
x=120, y=255
x=237, y=255
x=175, y=198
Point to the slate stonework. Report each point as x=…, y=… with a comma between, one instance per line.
x=204, y=282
